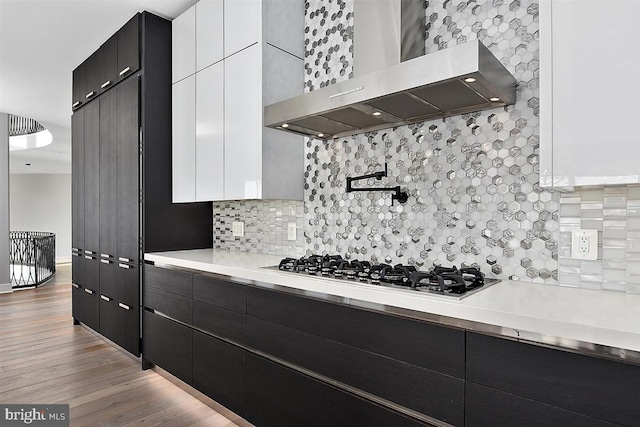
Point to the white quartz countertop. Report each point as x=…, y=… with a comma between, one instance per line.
x=606, y=318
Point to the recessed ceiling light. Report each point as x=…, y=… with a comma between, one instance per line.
x=469, y=80
x=27, y=164
x=494, y=99
x=377, y=113
x=320, y=135
x=285, y=125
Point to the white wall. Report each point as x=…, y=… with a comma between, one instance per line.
x=43, y=203
x=5, y=286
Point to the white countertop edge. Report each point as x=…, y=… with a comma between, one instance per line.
x=603, y=318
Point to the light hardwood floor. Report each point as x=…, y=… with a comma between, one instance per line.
x=45, y=359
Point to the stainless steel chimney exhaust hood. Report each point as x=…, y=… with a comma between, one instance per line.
x=457, y=80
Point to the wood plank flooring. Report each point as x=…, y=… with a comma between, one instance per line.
x=45, y=359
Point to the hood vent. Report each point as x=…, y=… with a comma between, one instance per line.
x=457, y=80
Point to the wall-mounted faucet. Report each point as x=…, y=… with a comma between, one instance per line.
x=399, y=195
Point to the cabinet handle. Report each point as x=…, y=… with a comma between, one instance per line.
x=75, y=249
x=89, y=252
x=123, y=259
x=75, y=254
x=89, y=291
x=75, y=104
x=125, y=71
x=105, y=298
x=88, y=257
x=89, y=95
x=121, y=305
x=105, y=261
x=75, y=286
x=105, y=256
x=125, y=266
x=105, y=84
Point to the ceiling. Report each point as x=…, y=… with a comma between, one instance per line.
x=41, y=42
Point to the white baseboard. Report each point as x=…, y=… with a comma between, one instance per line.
x=5, y=288
x=63, y=260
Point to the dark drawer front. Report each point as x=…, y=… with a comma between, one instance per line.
x=219, y=371
x=218, y=321
x=172, y=281
x=486, y=407
x=431, y=393
x=172, y=305
x=595, y=387
x=422, y=344
x=229, y=295
x=280, y=397
x=86, y=307
x=169, y=345
x=120, y=323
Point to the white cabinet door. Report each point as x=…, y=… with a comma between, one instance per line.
x=242, y=24
x=183, y=148
x=209, y=33
x=209, y=152
x=243, y=125
x=183, y=45
x=594, y=63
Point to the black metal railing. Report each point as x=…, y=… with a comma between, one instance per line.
x=32, y=257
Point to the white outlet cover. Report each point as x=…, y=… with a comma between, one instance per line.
x=291, y=231
x=590, y=252
x=237, y=227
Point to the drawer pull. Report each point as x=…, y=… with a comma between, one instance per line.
x=121, y=305
x=75, y=104
x=89, y=291
x=75, y=254
x=125, y=71
x=88, y=257
x=125, y=266
x=75, y=249
x=90, y=94
x=105, y=298
x=105, y=84
x=105, y=261
x=123, y=259
x=105, y=256
x=75, y=286
x=89, y=252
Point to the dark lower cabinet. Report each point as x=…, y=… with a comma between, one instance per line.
x=120, y=323
x=487, y=407
x=595, y=387
x=86, y=306
x=219, y=371
x=278, y=396
x=425, y=391
x=168, y=344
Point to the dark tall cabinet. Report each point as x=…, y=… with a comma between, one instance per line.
x=121, y=177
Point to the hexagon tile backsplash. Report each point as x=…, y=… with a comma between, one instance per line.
x=473, y=181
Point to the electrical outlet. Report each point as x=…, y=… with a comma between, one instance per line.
x=291, y=231
x=584, y=244
x=238, y=228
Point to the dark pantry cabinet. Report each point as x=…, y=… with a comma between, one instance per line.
x=121, y=177
x=117, y=59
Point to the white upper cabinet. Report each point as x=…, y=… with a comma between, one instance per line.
x=243, y=125
x=209, y=32
x=209, y=149
x=589, y=59
x=183, y=137
x=221, y=149
x=183, y=46
x=242, y=24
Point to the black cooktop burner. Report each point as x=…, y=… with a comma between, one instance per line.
x=451, y=281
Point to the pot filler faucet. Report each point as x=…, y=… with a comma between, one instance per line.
x=399, y=195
